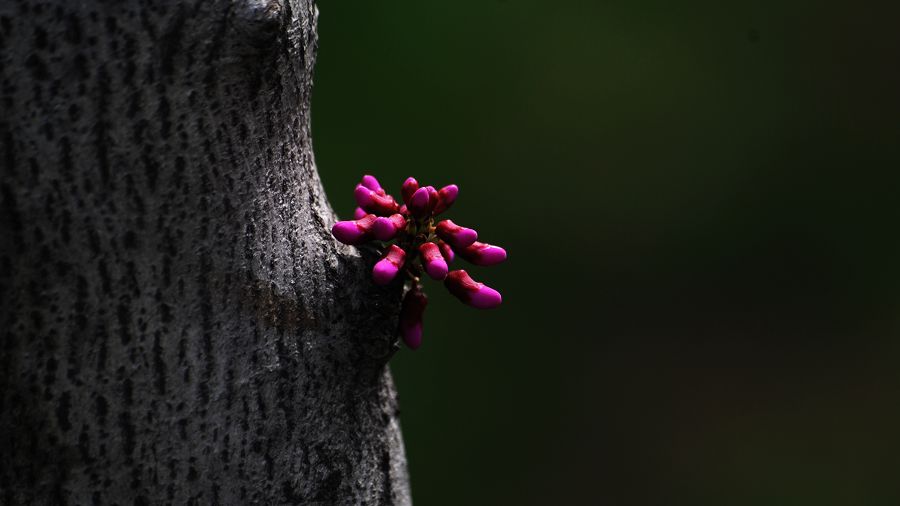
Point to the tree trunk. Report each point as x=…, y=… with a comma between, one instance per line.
x=178, y=324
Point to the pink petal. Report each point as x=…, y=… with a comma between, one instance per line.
x=371, y=183
x=433, y=198
x=455, y=235
x=483, y=254
x=471, y=292
x=433, y=260
x=486, y=298
x=408, y=189
x=354, y=232
x=447, y=251
x=385, y=229
x=418, y=204
x=446, y=198
x=411, y=317
x=382, y=205
x=390, y=264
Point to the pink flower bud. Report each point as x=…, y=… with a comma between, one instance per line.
x=382, y=205
x=434, y=262
x=447, y=251
x=408, y=189
x=385, y=229
x=411, y=313
x=456, y=236
x=432, y=198
x=359, y=213
x=419, y=203
x=390, y=264
x=471, y=292
x=371, y=183
x=354, y=232
x=446, y=198
x=480, y=253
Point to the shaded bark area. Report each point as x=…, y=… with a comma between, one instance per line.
x=178, y=325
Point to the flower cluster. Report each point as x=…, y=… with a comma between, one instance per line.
x=421, y=244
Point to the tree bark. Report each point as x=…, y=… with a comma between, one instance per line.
x=178, y=324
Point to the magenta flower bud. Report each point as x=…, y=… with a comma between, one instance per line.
x=354, y=232
x=385, y=229
x=419, y=203
x=408, y=189
x=371, y=201
x=480, y=253
x=433, y=260
x=454, y=235
x=471, y=292
x=446, y=198
x=371, y=183
x=411, y=313
x=390, y=264
x=447, y=251
x=433, y=199
x=359, y=213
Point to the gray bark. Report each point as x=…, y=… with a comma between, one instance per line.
x=178, y=325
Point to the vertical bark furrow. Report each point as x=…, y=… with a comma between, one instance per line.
x=178, y=326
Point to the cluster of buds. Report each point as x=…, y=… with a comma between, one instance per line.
x=421, y=245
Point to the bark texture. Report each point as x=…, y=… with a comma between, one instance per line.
x=178, y=325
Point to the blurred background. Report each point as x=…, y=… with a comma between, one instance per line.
x=700, y=206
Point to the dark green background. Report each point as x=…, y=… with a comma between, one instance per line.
x=700, y=207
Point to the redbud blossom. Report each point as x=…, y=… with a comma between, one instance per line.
x=371, y=183
x=419, y=203
x=446, y=198
x=411, y=313
x=359, y=213
x=456, y=236
x=385, y=229
x=479, y=253
x=433, y=260
x=432, y=198
x=408, y=189
x=354, y=232
x=371, y=201
x=471, y=292
x=447, y=251
x=390, y=264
